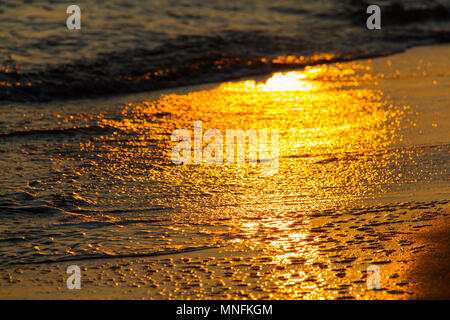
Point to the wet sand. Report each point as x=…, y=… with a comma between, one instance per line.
x=302, y=252
x=431, y=271
x=418, y=269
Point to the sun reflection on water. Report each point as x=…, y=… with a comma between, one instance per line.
x=290, y=81
x=332, y=134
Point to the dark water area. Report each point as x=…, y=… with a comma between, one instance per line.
x=134, y=46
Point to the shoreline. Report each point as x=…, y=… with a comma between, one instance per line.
x=265, y=71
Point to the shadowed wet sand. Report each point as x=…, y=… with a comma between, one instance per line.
x=431, y=270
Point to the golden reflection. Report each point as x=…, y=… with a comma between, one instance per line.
x=317, y=58
x=331, y=128
x=286, y=82
x=326, y=121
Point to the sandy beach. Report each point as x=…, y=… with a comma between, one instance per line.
x=363, y=181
